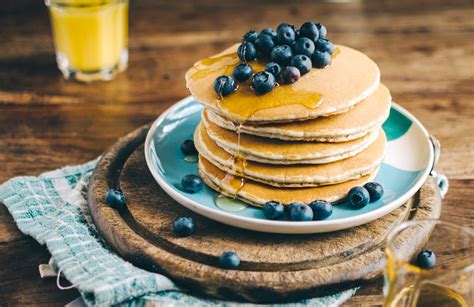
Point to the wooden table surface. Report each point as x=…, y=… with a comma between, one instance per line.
x=425, y=50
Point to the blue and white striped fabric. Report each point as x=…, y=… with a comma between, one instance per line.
x=52, y=208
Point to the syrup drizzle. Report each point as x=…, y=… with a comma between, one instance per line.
x=243, y=104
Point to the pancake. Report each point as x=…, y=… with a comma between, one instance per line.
x=355, y=123
x=293, y=175
x=275, y=151
x=350, y=78
x=257, y=194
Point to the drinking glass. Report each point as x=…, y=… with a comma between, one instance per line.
x=449, y=283
x=90, y=37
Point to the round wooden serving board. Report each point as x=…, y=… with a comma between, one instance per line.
x=274, y=267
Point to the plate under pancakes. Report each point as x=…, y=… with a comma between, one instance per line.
x=350, y=78
x=274, y=151
x=293, y=175
x=358, y=121
x=258, y=194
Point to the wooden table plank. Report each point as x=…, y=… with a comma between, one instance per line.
x=424, y=49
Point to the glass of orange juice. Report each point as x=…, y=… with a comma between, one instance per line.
x=90, y=37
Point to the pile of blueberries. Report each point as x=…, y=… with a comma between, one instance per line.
x=357, y=197
x=290, y=53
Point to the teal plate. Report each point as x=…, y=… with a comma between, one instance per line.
x=408, y=162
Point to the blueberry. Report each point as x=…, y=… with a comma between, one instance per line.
x=300, y=212
x=247, y=52
x=273, y=210
x=281, y=54
x=250, y=36
x=269, y=31
x=302, y=62
x=115, y=198
x=304, y=46
x=289, y=206
x=263, y=82
x=375, y=190
x=320, y=59
x=426, y=259
x=225, y=85
x=285, y=34
x=324, y=45
x=191, y=183
x=291, y=74
x=229, y=260
x=321, y=209
x=242, y=72
x=309, y=30
x=358, y=197
x=188, y=148
x=265, y=44
x=184, y=226
x=297, y=34
x=322, y=30
x=274, y=69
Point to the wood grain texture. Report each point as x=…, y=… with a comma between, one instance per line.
x=424, y=49
x=281, y=267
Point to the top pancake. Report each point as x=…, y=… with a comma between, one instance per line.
x=355, y=123
x=350, y=78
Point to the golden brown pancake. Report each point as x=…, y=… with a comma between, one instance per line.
x=350, y=78
x=256, y=193
x=293, y=175
x=280, y=152
x=355, y=123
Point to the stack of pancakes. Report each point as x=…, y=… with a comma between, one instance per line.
x=291, y=145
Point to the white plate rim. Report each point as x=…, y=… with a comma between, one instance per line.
x=284, y=227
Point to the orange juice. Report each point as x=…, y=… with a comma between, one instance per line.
x=90, y=35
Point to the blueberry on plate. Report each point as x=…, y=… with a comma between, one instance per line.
x=188, y=148
x=291, y=74
x=358, y=197
x=269, y=31
x=274, y=69
x=191, y=183
x=263, y=82
x=242, y=72
x=323, y=32
x=281, y=54
x=115, y=198
x=309, y=30
x=229, y=260
x=265, y=44
x=321, y=209
x=224, y=85
x=273, y=210
x=301, y=212
x=247, y=52
x=320, y=59
x=302, y=62
x=426, y=259
x=184, y=226
x=250, y=36
x=304, y=46
x=324, y=45
x=285, y=34
x=375, y=190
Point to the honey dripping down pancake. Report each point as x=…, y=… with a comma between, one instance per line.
x=350, y=78
x=247, y=101
x=244, y=103
x=355, y=123
x=295, y=175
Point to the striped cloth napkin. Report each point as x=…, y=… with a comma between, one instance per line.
x=52, y=208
